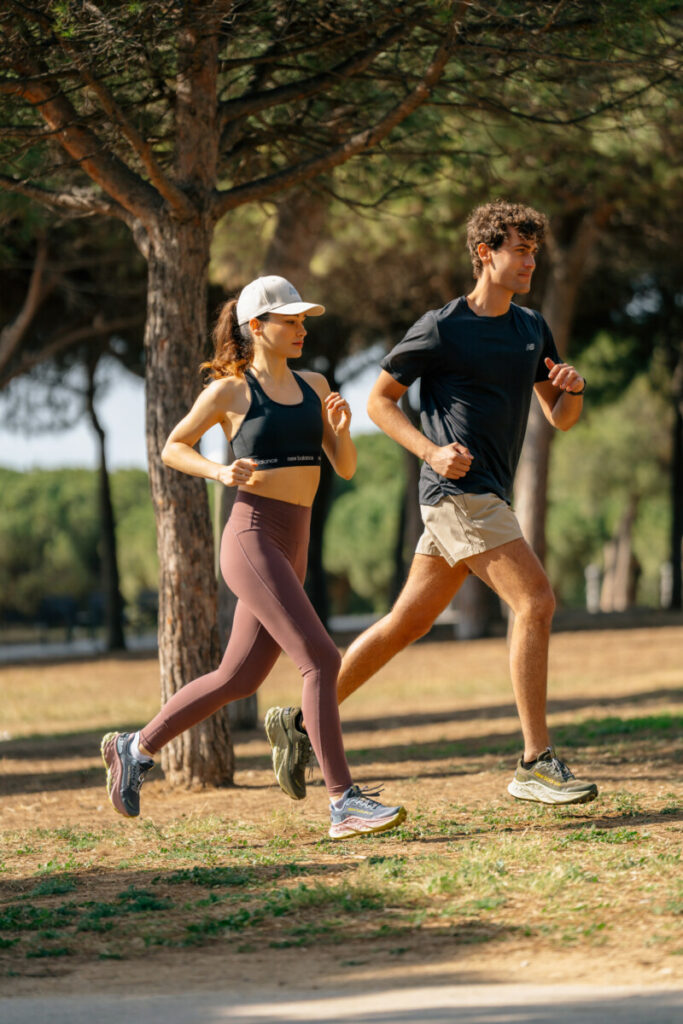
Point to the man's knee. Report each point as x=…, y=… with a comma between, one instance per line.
x=407, y=623
x=539, y=603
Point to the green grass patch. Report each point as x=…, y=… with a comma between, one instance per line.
x=212, y=877
x=52, y=887
x=611, y=836
x=594, y=731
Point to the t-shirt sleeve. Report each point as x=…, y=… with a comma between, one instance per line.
x=548, y=350
x=416, y=353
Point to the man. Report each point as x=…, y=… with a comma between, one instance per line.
x=478, y=360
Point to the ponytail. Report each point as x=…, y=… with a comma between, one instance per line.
x=233, y=345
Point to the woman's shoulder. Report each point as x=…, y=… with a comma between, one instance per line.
x=223, y=390
x=315, y=380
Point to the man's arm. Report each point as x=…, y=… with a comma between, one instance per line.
x=560, y=404
x=452, y=460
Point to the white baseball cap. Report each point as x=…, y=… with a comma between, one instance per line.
x=272, y=294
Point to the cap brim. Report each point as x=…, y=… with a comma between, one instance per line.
x=309, y=308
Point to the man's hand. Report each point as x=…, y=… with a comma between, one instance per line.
x=565, y=377
x=452, y=461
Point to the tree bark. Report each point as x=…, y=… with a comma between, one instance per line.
x=188, y=637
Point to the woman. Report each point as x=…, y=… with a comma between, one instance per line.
x=279, y=422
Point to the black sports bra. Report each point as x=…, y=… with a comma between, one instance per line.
x=276, y=435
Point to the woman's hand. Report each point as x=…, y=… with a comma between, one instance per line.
x=238, y=472
x=338, y=412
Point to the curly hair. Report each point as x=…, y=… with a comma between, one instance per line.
x=490, y=224
x=233, y=345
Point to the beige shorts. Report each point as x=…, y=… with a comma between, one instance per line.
x=462, y=525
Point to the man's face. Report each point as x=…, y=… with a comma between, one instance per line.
x=512, y=265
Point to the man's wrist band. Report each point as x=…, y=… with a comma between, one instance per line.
x=579, y=393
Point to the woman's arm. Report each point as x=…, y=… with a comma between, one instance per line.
x=337, y=443
x=209, y=409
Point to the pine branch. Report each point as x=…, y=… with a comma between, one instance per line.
x=307, y=169
x=128, y=190
x=243, y=106
x=12, y=334
x=77, y=202
x=174, y=196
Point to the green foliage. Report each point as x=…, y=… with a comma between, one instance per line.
x=361, y=531
x=50, y=536
x=615, y=455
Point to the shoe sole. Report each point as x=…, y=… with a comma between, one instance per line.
x=539, y=794
x=275, y=730
x=110, y=738
x=361, y=827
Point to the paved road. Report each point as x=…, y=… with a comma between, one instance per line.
x=427, y=1004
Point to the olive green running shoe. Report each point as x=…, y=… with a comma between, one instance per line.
x=549, y=781
x=292, y=750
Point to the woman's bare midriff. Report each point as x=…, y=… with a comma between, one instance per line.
x=296, y=484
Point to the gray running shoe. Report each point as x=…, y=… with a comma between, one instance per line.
x=125, y=774
x=549, y=781
x=359, y=814
x=292, y=750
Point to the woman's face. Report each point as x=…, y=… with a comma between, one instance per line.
x=281, y=334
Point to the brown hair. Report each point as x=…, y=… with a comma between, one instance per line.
x=233, y=344
x=490, y=224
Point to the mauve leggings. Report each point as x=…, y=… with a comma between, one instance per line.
x=263, y=560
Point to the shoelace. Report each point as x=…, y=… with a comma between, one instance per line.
x=364, y=794
x=137, y=774
x=559, y=766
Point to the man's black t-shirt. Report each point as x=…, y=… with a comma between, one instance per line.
x=476, y=375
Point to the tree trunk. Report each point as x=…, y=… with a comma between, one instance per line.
x=569, y=248
x=677, y=487
x=531, y=483
x=409, y=523
x=301, y=216
x=477, y=607
x=621, y=569
x=113, y=602
x=188, y=637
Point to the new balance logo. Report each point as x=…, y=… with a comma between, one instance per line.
x=530, y=347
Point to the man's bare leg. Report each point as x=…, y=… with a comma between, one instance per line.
x=431, y=585
x=514, y=572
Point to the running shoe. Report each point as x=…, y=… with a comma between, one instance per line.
x=549, y=781
x=292, y=750
x=359, y=814
x=125, y=774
